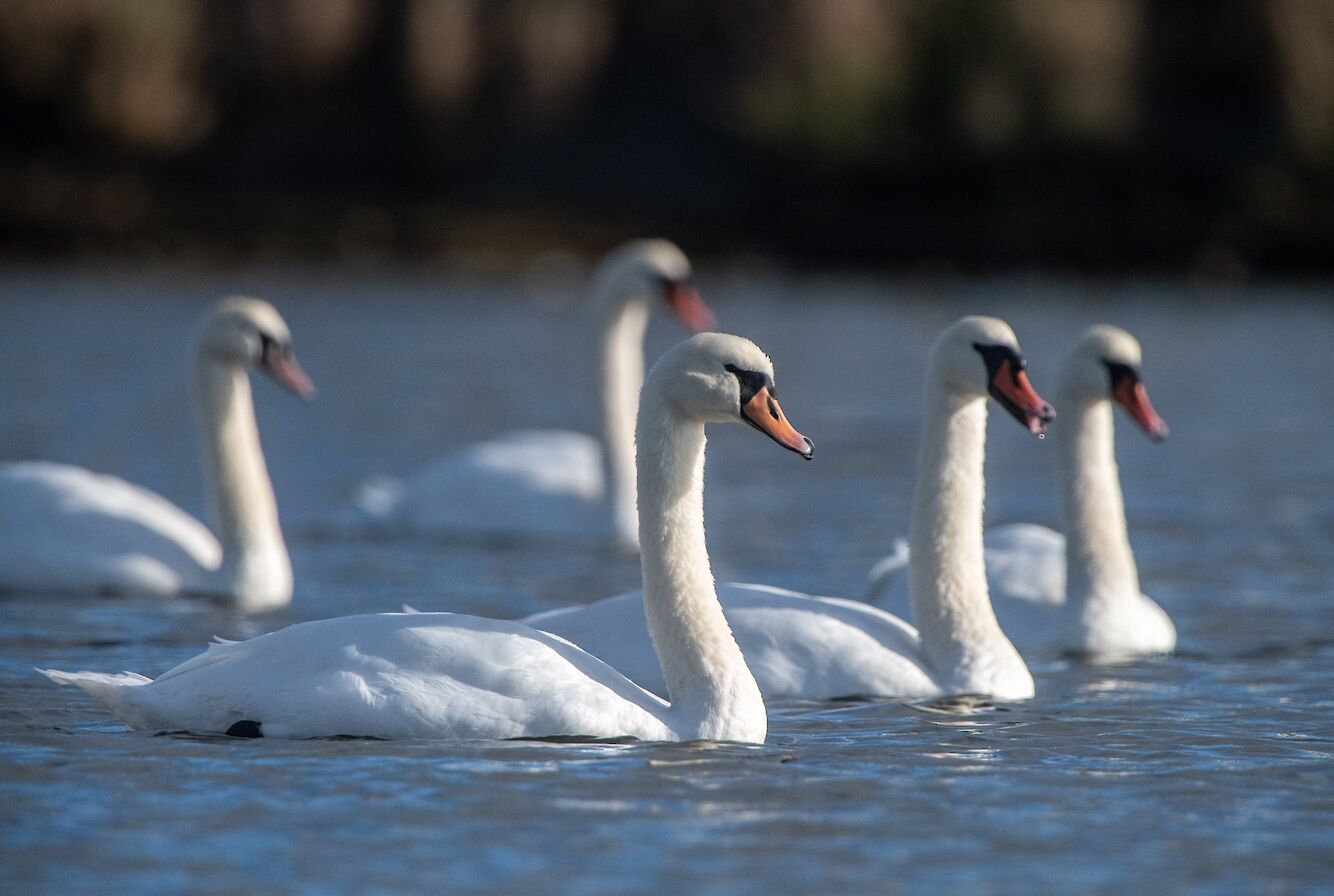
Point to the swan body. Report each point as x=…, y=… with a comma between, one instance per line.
x=553, y=483
x=66, y=528
x=1080, y=591
x=823, y=647
x=451, y=676
x=387, y=675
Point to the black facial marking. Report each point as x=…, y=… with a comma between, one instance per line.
x=671, y=282
x=751, y=382
x=1119, y=373
x=270, y=348
x=996, y=355
x=245, y=728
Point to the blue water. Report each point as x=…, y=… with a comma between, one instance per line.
x=1206, y=772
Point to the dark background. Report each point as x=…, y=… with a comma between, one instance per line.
x=1088, y=136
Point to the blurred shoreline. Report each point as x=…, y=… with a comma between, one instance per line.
x=558, y=278
x=1096, y=137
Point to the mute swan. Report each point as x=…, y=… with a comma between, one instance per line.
x=445, y=675
x=551, y=482
x=824, y=647
x=66, y=528
x=1098, y=608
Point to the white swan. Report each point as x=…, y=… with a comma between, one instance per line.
x=824, y=647
x=66, y=528
x=1098, y=607
x=550, y=482
x=444, y=675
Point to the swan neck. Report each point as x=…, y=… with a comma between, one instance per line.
x=256, y=569
x=622, y=374
x=713, y=694
x=1100, y=565
x=946, y=574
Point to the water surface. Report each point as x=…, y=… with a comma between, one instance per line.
x=1208, y=771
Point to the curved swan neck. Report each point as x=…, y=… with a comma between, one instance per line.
x=712, y=691
x=1099, y=564
x=256, y=569
x=947, y=580
x=622, y=375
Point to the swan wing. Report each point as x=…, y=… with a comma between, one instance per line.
x=1025, y=562
x=64, y=527
x=437, y=675
x=825, y=647
x=887, y=571
x=615, y=630
x=1025, y=576
x=795, y=645
x=532, y=480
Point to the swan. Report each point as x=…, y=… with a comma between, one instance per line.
x=451, y=676
x=825, y=647
x=550, y=482
x=69, y=529
x=1096, y=608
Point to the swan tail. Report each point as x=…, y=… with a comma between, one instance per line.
x=886, y=572
x=106, y=689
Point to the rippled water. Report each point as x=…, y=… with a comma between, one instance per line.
x=1209, y=771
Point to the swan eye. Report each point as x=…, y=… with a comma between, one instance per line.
x=751, y=382
x=996, y=355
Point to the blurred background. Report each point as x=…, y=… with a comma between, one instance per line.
x=1075, y=136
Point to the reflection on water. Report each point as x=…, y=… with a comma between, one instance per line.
x=1207, y=771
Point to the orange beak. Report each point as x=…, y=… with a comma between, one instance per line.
x=763, y=413
x=1012, y=390
x=280, y=364
x=688, y=306
x=1130, y=394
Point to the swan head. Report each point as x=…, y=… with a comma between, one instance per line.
x=980, y=356
x=1105, y=364
x=717, y=378
x=245, y=332
x=654, y=269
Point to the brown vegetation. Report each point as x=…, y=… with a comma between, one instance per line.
x=1095, y=134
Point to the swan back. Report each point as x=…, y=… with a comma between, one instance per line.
x=70, y=529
